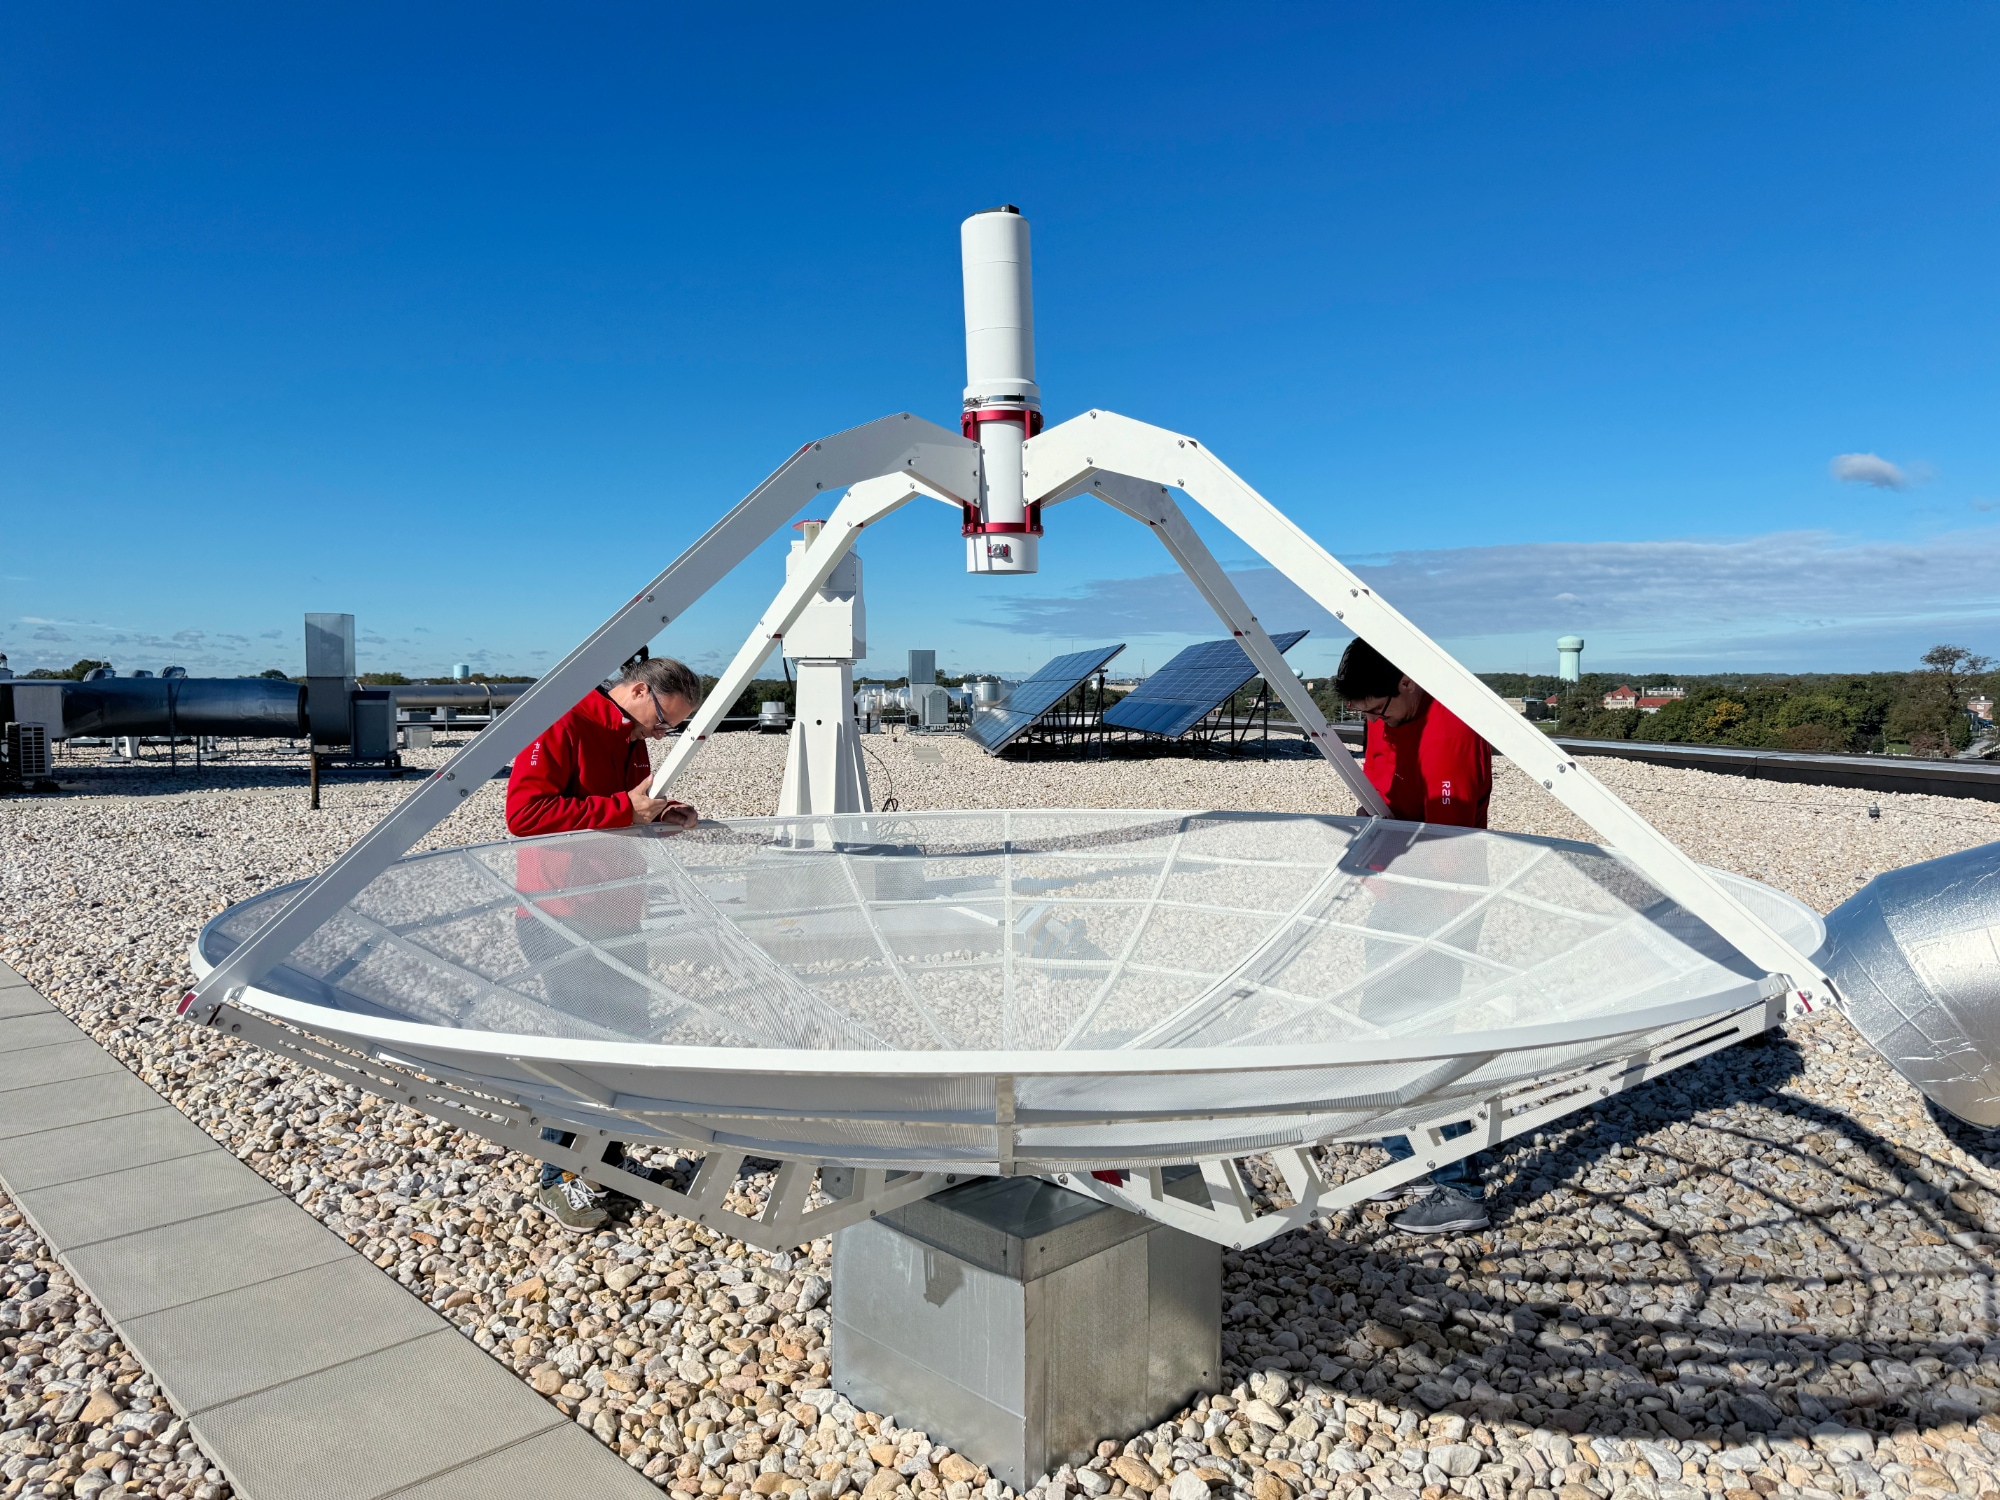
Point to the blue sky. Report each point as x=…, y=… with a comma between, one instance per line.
x=467, y=319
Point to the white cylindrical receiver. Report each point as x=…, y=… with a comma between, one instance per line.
x=1003, y=405
x=999, y=311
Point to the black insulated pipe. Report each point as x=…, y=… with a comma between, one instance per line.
x=248, y=706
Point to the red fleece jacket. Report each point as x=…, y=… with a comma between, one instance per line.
x=579, y=774
x=1431, y=770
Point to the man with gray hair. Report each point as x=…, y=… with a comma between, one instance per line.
x=590, y=769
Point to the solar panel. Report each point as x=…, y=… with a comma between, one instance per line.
x=1190, y=687
x=995, y=726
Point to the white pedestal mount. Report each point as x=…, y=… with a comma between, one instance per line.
x=824, y=772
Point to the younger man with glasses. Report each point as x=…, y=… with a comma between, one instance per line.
x=590, y=769
x=1430, y=768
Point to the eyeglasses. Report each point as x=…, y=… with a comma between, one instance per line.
x=1359, y=712
x=662, y=721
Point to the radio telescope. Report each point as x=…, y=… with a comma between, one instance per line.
x=886, y=1003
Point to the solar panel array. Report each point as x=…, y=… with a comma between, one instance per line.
x=1190, y=687
x=996, y=726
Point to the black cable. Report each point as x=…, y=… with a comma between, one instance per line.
x=889, y=803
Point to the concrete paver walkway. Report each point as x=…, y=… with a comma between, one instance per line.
x=304, y=1372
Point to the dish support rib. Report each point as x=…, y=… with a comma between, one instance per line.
x=809, y=1198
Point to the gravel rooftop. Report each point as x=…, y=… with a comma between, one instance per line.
x=1769, y=1273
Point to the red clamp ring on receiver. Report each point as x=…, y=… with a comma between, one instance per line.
x=975, y=527
x=1031, y=421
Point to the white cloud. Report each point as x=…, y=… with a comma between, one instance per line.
x=1868, y=468
x=1782, y=599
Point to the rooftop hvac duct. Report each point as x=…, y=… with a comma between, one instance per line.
x=1916, y=955
x=491, y=696
x=110, y=707
x=330, y=678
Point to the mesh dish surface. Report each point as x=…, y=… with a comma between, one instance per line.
x=854, y=985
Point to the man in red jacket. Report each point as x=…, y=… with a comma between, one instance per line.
x=1430, y=768
x=589, y=770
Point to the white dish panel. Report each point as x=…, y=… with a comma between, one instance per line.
x=1133, y=987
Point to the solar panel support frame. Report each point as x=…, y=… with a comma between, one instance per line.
x=1084, y=731
x=1151, y=504
x=1218, y=720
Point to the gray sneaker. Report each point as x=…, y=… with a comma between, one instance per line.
x=572, y=1203
x=1414, y=1189
x=1443, y=1210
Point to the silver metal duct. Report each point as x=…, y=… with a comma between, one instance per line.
x=113, y=706
x=476, y=696
x=1916, y=956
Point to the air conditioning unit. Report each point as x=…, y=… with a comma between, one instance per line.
x=932, y=707
x=28, y=758
x=373, y=716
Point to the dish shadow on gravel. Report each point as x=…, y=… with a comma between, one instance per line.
x=1596, y=1308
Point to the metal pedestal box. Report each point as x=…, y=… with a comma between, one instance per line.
x=1021, y=1323
x=374, y=723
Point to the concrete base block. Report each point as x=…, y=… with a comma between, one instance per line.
x=1020, y=1322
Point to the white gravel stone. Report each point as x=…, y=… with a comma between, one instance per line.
x=80, y=1414
x=1765, y=1252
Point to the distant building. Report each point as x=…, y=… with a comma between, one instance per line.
x=1980, y=707
x=1651, y=701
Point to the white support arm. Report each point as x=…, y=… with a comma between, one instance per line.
x=901, y=444
x=863, y=505
x=1152, y=504
x=1098, y=440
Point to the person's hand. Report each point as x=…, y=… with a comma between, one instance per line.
x=645, y=808
x=649, y=809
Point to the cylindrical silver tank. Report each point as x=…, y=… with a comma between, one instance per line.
x=117, y=706
x=1915, y=955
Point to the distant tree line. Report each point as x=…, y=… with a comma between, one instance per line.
x=1922, y=712
x=74, y=673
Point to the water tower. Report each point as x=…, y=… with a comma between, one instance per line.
x=1569, y=657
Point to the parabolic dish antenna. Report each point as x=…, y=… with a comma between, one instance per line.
x=882, y=1003
x=1149, y=987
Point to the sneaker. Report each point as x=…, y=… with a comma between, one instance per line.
x=622, y=1205
x=1408, y=1190
x=572, y=1203
x=1442, y=1211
